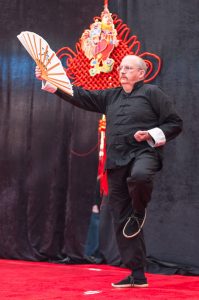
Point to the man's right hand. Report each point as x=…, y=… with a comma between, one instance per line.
x=38, y=73
x=142, y=135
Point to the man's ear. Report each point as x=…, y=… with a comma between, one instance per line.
x=141, y=74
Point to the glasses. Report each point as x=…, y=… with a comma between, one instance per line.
x=126, y=68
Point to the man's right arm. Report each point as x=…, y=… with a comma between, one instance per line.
x=85, y=99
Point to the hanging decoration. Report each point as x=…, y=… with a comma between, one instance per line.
x=78, y=65
x=102, y=156
x=93, y=65
x=99, y=41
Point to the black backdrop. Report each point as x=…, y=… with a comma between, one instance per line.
x=46, y=191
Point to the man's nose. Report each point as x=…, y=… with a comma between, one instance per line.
x=123, y=71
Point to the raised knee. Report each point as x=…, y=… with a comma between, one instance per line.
x=139, y=176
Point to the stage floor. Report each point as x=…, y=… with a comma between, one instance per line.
x=24, y=280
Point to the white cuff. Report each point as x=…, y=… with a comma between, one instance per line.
x=49, y=87
x=157, y=137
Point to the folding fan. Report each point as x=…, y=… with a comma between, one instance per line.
x=46, y=59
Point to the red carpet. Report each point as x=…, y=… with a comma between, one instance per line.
x=44, y=281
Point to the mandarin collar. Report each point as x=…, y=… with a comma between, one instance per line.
x=137, y=85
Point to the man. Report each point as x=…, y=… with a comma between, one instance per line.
x=140, y=119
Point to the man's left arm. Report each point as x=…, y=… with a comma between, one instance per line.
x=169, y=122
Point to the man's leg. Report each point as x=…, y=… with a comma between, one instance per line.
x=140, y=186
x=132, y=251
x=140, y=182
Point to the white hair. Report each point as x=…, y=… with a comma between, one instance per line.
x=140, y=63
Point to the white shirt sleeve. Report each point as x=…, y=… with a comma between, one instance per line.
x=49, y=87
x=157, y=137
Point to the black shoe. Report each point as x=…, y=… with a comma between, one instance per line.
x=130, y=282
x=133, y=225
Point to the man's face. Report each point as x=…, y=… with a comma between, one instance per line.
x=129, y=72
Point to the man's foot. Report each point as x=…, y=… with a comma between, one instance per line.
x=130, y=282
x=134, y=225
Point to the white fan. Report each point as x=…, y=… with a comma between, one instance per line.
x=46, y=59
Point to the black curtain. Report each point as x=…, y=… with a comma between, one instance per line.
x=47, y=171
x=47, y=166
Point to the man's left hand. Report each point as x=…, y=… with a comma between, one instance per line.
x=141, y=136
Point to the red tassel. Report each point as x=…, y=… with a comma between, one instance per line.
x=102, y=174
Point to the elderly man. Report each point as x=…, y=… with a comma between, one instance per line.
x=140, y=120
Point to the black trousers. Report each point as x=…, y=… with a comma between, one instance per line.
x=130, y=189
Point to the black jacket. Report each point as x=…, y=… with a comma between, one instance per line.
x=146, y=107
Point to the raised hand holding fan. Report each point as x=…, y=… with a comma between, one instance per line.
x=46, y=59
